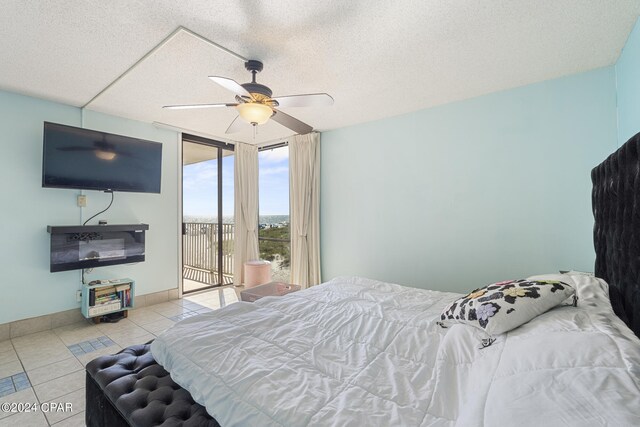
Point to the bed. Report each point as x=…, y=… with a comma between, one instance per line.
x=355, y=351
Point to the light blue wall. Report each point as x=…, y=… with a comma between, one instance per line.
x=445, y=198
x=27, y=288
x=628, y=84
x=458, y=196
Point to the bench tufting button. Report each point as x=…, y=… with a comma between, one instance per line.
x=147, y=390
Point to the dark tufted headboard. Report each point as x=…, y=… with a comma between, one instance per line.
x=616, y=233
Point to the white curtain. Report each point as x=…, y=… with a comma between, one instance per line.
x=304, y=188
x=246, y=209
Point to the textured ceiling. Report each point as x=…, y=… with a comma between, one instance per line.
x=376, y=58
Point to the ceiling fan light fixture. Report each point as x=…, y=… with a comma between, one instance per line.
x=105, y=155
x=255, y=113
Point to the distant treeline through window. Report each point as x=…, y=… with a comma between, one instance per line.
x=274, y=235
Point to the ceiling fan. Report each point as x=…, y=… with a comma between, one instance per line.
x=256, y=106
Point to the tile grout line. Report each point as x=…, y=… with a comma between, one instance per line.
x=38, y=400
x=58, y=377
x=186, y=312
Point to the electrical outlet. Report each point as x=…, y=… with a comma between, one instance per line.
x=78, y=296
x=82, y=201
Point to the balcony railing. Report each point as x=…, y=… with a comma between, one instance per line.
x=200, y=252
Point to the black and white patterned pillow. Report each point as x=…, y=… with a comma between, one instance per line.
x=500, y=307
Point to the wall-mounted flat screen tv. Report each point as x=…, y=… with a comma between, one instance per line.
x=91, y=160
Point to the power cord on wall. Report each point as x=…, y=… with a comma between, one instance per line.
x=87, y=271
x=102, y=211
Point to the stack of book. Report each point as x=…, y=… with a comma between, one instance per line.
x=124, y=294
x=106, y=299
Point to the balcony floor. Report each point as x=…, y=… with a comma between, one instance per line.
x=195, y=278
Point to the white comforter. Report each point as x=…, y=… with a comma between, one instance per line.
x=357, y=352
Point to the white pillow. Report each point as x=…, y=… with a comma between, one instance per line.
x=500, y=307
x=576, y=273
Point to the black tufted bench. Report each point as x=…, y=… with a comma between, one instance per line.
x=131, y=389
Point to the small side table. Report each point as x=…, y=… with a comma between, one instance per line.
x=268, y=289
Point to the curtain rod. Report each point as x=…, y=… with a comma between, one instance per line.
x=273, y=146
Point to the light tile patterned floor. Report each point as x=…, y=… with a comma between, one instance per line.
x=47, y=368
x=13, y=384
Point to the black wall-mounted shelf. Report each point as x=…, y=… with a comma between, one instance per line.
x=74, y=247
x=63, y=229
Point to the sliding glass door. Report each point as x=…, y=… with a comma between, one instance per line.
x=207, y=213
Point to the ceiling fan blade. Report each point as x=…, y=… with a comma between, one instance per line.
x=231, y=85
x=237, y=125
x=308, y=100
x=189, y=106
x=291, y=122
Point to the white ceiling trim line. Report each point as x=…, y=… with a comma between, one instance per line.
x=175, y=128
x=193, y=132
x=157, y=47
